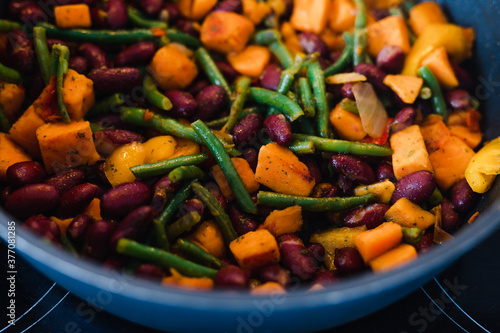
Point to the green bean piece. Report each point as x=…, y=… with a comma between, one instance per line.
x=316, y=78
x=171, y=208
x=437, y=100
x=42, y=53
x=183, y=38
x=342, y=62
x=344, y=146
x=182, y=225
x=10, y=75
x=96, y=127
x=360, y=34
x=277, y=200
x=62, y=68
x=162, y=167
x=67, y=245
x=211, y=70
x=196, y=254
x=306, y=126
x=281, y=52
x=4, y=121
x=146, y=118
x=186, y=172
x=306, y=97
x=160, y=235
x=241, y=93
x=7, y=26
x=349, y=105
x=107, y=105
x=412, y=235
x=233, y=178
x=154, y=96
x=163, y=258
x=217, y=211
x=138, y=20
x=266, y=37
x=276, y=100
x=302, y=147
x=435, y=199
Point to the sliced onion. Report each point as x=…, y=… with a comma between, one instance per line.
x=371, y=111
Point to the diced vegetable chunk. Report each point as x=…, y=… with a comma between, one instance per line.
x=410, y=215
x=186, y=282
x=10, y=153
x=310, y=15
x=382, y=190
x=342, y=15
x=394, y=258
x=440, y=66
x=195, y=9
x=11, y=99
x=424, y=14
x=208, y=236
x=23, y=131
x=391, y=30
x=346, y=124
x=251, y=61
x=288, y=220
x=78, y=94
x=73, y=16
x=372, y=243
x=407, y=87
x=244, y=170
x=255, y=248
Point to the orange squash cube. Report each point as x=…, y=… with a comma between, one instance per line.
x=255, y=249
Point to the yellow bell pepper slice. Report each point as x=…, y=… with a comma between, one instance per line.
x=484, y=166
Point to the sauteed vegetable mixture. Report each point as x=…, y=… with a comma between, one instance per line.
x=240, y=144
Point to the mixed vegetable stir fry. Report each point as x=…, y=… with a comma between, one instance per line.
x=240, y=144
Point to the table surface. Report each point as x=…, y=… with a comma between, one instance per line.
x=464, y=298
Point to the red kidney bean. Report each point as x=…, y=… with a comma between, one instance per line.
x=372, y=216
x=210, y=101
x=374, y=75
x=424, y=106
x=78, y=64
x=313, y=167
x=348, y=260
x=24, y=173
x=32, y=14
x=464, y=79
x=112, y=120
x=346, y=91
x=117, y=15
x=191, y=205
x=124, y=198
x=36, y=85
x=78, y=228
x=75, y=200
x=187, y=27
x=450, y=221
x=106, y=141
x=112, y=80
x=96, y=241
x=312, y=43
x=403, y=119
x=242, y=222
x=324, y=63
x=183, y=103
x=32, y=199
x=215, y=191
x=231, y=276
x=274, y=273
x=43, y=227
x=4, y=194
x=325, y=277
x=294, y=256
x=247, y=129
x=169, y=13
x=416, y=187
x=391, y=59
x=271, y=77
x=325, y=190
x=163, y=191
x=462, y=197
x=134, y=226
x=251, y=155
x=96, y=57
x=115, y=262
x=458, y=99
x=426, y=243
x=135, y=54
x=227, y=70
x=316, y=251
x=66, y=179
x=149, y=271
x=345, y=184
x=16, y=6
x=197, y=86
x=385, y=171
x=151, y=7
x=353, y=168
x=279, y=129
x=99, y=18
x=21, y=49
x=234, y=6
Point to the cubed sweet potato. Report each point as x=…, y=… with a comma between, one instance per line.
x=66, y=145
x=268, y=288
x=290, y=38
x=382, y=190
x=285, y=221
x=391, y=30
x=279, y=169
x=23, y=131
x=410, y=215
x=400, y=255
x=226, y=32
x=251, y=61
x=186, y=282
x=244, y=170
x=310, y=15
x=342, y=15
x=94, y=209
x=10, y=153
x=346, y=124
x=424, y=14
x=255, y=249
x=440, y=66
x=210, y=238
x=172, y=67
x=255, y=10
x=78, y=94
x=73, y=16
x=11, y=99
x=407, y=87
x=435, y=133
x=195, y=9
x=372, y=243
x=410, y=154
